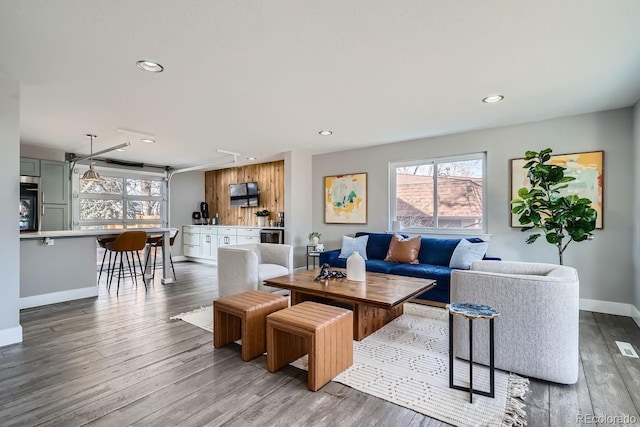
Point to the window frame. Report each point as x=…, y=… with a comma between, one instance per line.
x=392, y=202
x=123, y=223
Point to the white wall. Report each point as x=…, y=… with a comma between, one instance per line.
x=636, y=210
x=186, y=191
x=10, y=330
x=605, y=265
x=35, y=152
x=298, y=203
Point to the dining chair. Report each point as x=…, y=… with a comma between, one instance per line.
x=129, y=242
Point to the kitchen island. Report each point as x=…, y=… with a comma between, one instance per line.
x=58, y=266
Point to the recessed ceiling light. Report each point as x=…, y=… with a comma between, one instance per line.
x=251, y=158
x=120, y=149
x=492, y=98
x=152, y=67
x=325, y=132
x=148, y=140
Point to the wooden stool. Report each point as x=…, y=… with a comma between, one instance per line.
x=324, y=332
x=243, y=316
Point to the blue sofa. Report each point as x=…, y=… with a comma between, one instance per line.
x=434, y=257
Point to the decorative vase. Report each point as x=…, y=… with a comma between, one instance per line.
x=356, y=270
x=315, y=240
x=261, y=221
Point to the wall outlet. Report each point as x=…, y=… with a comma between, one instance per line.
x=48, y=241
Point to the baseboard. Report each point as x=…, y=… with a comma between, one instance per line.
x=56, y=297
x=609, y=307
x=10, y=336
x=635, y=314
x=198, y=260
x=179, y=258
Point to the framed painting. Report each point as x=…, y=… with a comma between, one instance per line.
x=586, y=167
x=345, y=199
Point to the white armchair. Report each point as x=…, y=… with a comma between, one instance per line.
x=536, y=333
x=245, y=267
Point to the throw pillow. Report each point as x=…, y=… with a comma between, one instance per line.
x=404, y=250
x=466, y=253
x=354, y=244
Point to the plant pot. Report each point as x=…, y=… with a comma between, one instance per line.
x=314, y=241
x=261, y=221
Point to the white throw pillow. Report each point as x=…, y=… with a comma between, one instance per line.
x=466, y=253
x=354, y=244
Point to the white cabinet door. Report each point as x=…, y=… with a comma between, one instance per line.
x=191, y=250
x=225, y=240
x=247, y=239
x=209, y=245
x=190, y=238
x=190, y=241
x=248, y=235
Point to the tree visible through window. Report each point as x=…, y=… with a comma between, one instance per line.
x=439, y=193
x=120, y=201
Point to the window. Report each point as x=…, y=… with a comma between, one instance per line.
x=439, y=194
x=121, y=200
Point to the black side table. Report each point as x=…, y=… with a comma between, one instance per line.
x=472, y=312
x=313, y=255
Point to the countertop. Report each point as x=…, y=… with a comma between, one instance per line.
x=266, y=227
x=68, y=234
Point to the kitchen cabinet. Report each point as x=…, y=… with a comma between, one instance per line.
x=226, y=236
x=54, y=217
x=209, y=243
x=55, y=182
x=201, y=242
x=29, y=167
x=191, y=241
x=55, y=195
x=247, y=235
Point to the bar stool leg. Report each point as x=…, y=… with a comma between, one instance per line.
x=102, y=265
x=144, y=279
x=172, y=268
x=135, y=273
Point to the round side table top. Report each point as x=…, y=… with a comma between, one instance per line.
x=472, y=311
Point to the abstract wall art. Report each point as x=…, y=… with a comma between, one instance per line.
x=586, y=167
x=345, y=199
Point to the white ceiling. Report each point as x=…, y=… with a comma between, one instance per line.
x=263, y=77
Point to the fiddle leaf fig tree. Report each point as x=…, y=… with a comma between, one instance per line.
x=561, y=219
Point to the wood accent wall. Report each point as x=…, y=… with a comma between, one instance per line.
x=270, y=179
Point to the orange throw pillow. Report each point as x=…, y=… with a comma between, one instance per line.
x=404, y=250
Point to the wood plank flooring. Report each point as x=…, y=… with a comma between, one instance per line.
x=118, y=360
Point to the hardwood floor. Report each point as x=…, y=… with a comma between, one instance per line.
x=118, y=360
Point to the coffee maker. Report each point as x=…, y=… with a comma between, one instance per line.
x=204, y=212
x=280, y=219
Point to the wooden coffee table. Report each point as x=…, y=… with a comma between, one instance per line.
x=374, y=302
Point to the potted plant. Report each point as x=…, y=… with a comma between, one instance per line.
x=262, y=217
x=314, y=238
x=541, y=207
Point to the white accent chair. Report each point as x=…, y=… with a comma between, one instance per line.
x=536, y=334
x=245, y=267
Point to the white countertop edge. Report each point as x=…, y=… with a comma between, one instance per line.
x=234, y=226
x=67, y=234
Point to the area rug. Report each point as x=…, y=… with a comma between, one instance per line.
x=201, y=317
x=407, y=363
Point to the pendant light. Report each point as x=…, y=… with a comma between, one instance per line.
x=91, y=174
